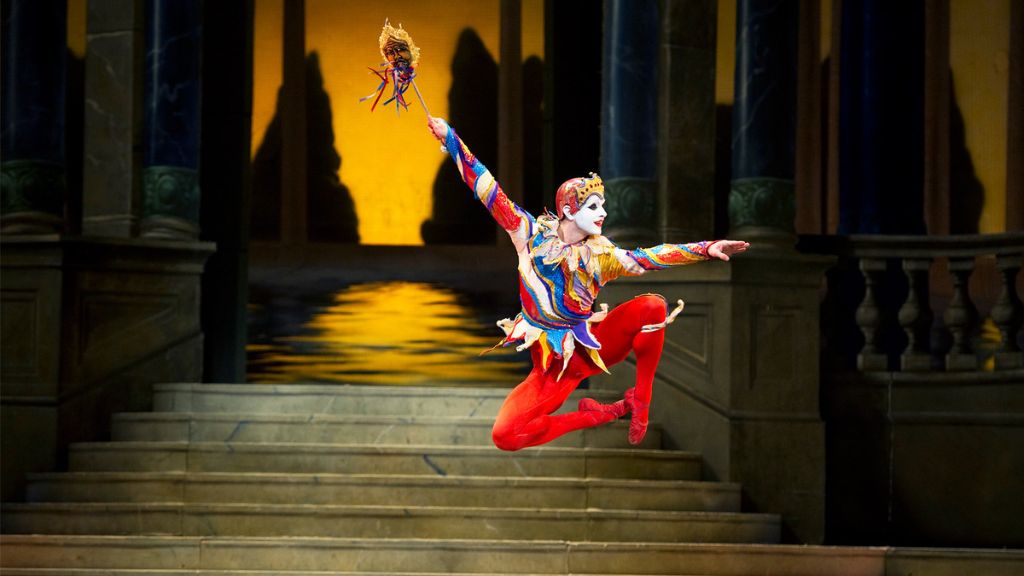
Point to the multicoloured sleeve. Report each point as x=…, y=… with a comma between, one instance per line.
x=636, y=262
x=519, y=223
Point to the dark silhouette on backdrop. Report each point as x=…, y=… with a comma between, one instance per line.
x=331, y=215
x=456, y=216
x=966, y=192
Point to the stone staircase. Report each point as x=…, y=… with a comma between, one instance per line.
x=350, y=480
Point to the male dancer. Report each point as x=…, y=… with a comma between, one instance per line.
x=563, y=263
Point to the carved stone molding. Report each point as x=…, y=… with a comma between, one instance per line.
x=170, y=202
x=631, y=204
x=33, y=196
x=762, y=202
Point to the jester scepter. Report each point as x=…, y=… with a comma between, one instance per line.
x=398, y=69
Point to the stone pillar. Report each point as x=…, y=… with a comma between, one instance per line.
x=112, y=169
x=510, y=102
x=171, y=127
x=686, y=120
x=629, y=120
x=224, y=216
x=809, y=161
x=34, y=47
x=881, y=121
x=761, y=196
x=294, y=178
x=937, y=92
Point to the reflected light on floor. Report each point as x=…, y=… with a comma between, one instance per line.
x=390, y=333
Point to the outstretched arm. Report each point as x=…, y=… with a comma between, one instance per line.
x=517, y=222
x=636, y=262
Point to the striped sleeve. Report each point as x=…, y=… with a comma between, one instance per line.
x=636, y=262
x=519, y=223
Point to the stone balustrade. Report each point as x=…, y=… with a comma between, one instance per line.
x=917, y=312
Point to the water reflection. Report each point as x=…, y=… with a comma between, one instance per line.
x=383, y=332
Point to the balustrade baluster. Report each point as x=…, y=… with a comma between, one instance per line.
x=961, y=317
x=916, y=316
x=869, y=317
x=1008, y=314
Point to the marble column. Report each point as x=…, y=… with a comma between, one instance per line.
x=171, y=127
x=34, y=48
x=686, y=120
x=112, y=167
x=881, y=124
x=629, y=120
x=761, y=195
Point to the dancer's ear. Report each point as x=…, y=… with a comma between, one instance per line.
x=567, y=212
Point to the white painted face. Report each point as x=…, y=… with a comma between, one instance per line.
x=590, y=217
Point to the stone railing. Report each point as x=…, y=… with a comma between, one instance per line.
x=910, y=298
x=922, y=389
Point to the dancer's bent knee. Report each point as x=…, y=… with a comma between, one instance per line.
x=505, y=438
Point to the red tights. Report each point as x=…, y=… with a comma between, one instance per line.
x=525, y=418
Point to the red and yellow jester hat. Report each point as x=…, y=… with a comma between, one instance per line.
x=575, y=191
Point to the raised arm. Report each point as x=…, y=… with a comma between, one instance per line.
x=514, y=219
x=621, y=262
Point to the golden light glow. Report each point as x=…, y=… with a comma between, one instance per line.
x=389, y=162
x=76, y=27
x=391, y=333
x=979, y=53
x=725, y=52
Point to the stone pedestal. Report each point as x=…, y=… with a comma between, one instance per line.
x=88, y=327
x=738, y=379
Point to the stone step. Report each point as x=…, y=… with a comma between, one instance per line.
x=397, y=556
x=383, y=459
x=270, y=520
x=343, y=429
x=344, y=399
x=377, y=489
x=159, y=572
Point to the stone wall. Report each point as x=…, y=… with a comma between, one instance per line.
x=88, y=326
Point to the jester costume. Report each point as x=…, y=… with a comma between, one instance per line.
x=568, y=341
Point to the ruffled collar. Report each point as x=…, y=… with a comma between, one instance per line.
x=553, y=250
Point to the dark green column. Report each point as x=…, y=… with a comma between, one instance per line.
x=33, y=177
x=170, y=174
x=762, y=202
x=629, y=120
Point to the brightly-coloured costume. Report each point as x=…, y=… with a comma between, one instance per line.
x=558, y=285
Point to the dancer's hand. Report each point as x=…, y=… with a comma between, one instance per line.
x=725, y=248
x=438, y=127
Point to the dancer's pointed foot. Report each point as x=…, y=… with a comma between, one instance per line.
x=638, y=421
x=616, y=409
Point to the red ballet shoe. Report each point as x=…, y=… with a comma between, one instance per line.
x=616, y=409
x=638, y=421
